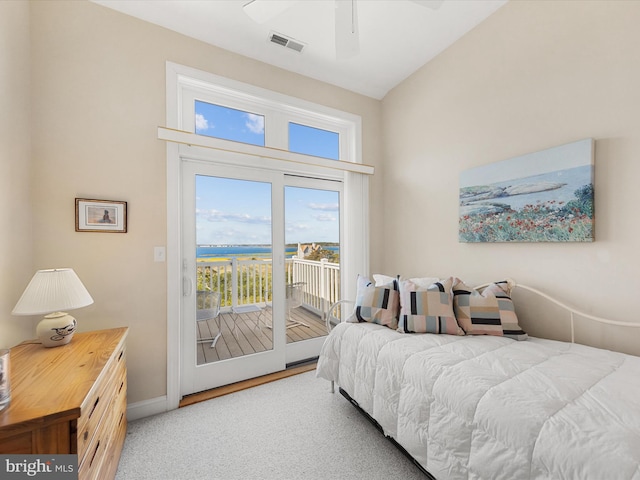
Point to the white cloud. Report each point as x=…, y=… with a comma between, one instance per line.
x=327, y=207
x=218, y=216
x=202, y=123
x=325, y=217
x=255, y=123
x=296, y=227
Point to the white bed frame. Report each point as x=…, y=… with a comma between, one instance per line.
x=574, y=312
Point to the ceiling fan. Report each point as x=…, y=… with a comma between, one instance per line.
x=346, y=19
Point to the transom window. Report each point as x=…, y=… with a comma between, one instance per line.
x=229, y=123
x=228, y=110
x=314, y=141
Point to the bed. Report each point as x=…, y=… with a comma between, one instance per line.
x=491, y=407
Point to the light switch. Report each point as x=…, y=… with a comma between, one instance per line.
x=159, y=254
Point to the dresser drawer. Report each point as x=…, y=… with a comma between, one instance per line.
x=98, y=401
x=105, y=445
x=117, y=432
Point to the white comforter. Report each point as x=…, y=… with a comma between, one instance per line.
x=481, y=407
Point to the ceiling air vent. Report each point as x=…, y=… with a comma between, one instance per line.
x=287, y=42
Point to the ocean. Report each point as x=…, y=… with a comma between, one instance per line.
x=251, y=251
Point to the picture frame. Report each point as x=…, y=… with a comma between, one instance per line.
x=105, y=216
x=545, y=196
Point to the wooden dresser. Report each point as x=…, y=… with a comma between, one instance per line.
x=70, y=399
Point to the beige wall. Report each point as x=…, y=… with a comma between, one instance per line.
x=16, y=265
x=98, y=90
x=533, y=76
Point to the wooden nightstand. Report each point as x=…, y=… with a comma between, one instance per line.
x=70, y=399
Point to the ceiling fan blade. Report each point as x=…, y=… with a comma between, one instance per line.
x=262, y=11
x=347, y=36
x=433, y=4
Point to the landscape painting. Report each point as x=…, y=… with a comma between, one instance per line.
x=545, y=196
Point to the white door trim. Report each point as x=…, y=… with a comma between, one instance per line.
x=356, y=202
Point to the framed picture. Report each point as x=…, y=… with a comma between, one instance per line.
x=107, y=216
x=546, y=196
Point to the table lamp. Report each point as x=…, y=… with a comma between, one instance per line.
x=50, y=292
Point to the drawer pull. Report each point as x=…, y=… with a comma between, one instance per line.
x=86, y=435
x=94, y=406
x=120, y=389
x=95, y=451
x=120, y=356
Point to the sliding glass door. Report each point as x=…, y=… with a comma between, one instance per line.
x=229, y=299
x=261, y=266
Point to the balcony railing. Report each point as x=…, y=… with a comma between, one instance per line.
x=249, y=282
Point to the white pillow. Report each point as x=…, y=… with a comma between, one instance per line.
x=382, y=280
x=424, y=282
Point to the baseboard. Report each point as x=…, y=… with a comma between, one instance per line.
x=146, y=408
x=157, y=405
x=252, y=382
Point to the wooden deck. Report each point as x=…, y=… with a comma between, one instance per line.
x=253, y=335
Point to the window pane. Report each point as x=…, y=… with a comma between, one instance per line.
x=312, y=266
x=314, y=141
x=233, y=267
x=229, y=124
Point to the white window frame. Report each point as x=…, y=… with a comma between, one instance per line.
x=278, y=110
x=184, y=84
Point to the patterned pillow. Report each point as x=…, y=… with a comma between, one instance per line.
x=488, y=313
x=377, y=304
x=427, y=309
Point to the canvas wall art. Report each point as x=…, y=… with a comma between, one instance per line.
x=545, y=196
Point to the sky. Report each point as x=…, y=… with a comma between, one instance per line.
x=240, y=126
x=238, y=212
x=562, y=157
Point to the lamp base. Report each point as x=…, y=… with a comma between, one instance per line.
x=56, y=329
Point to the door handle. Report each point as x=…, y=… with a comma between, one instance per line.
x=187, y=287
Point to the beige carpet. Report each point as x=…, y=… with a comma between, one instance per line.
x=292, y=428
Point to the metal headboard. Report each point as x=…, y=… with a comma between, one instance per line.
x=571, y=310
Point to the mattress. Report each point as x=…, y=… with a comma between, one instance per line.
x=488, y=407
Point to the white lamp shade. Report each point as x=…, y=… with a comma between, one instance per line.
x=53, y=290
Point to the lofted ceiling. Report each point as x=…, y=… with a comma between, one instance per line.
x=396, y=37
